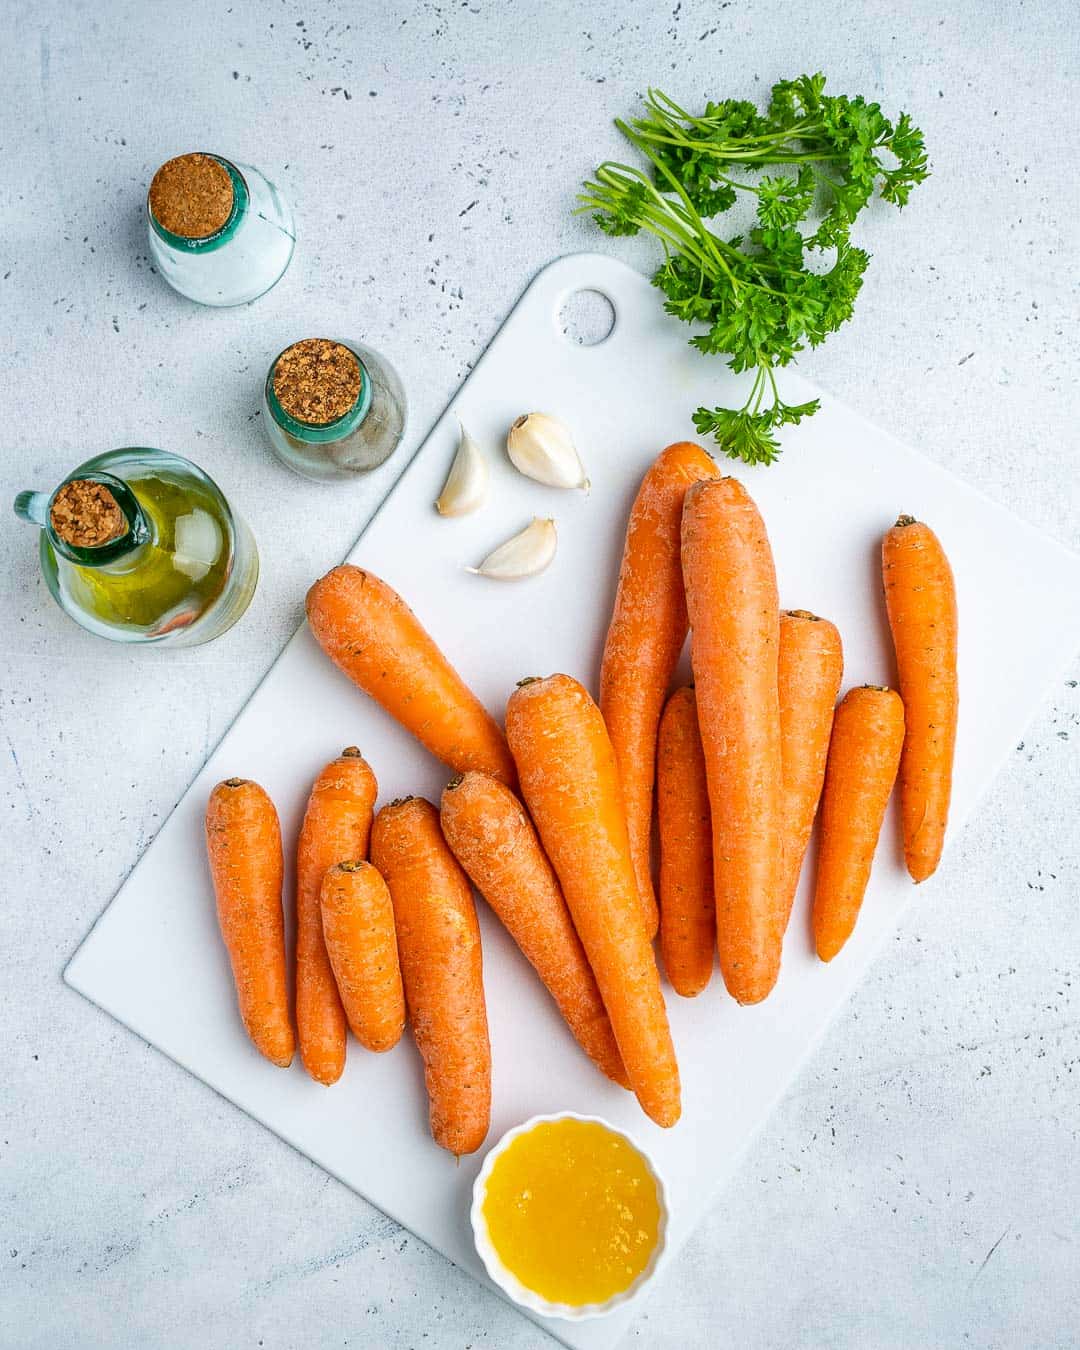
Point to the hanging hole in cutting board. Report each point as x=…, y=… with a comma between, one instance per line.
x=586, y=317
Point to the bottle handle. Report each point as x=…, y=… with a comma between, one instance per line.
x=33, y=507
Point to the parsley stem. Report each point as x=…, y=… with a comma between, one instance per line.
x=672, y=114
x=664, y=218
x=759, y=386
x=772, y=381
x=706, y=235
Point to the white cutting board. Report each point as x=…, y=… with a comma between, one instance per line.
x=155, y=961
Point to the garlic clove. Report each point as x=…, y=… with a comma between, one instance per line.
x=522, y=556
x=466, y=484
x=542, y=448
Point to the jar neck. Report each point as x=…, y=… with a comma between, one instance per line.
x=210, y=242
x=312, y=433
x=36, y=507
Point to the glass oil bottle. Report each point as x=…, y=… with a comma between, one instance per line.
x=139, y=545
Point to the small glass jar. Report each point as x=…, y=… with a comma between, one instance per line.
x=326, y=419
x=138, y=545
x=220, y=233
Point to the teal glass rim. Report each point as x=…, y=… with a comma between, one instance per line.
x=209, y=242
x=320, y=433
x=36, y=507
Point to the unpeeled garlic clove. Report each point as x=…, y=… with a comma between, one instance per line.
x=522, y=556
x=542, y=448
x=466, y=484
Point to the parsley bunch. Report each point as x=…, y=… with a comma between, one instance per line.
x=760, y=303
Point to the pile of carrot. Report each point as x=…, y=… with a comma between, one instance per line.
x=552, y=820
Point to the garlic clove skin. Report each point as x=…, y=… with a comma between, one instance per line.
x=524, y=555
x=542, y=448
x=466, y=485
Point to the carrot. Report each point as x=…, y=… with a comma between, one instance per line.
x=920, y=597
x=367, y=630
x=358, y=922
x=648, y=628
x=243, y=844
x=735, y=623
x=494, y=840
x=864, y=754
x=336, y=826
x=810, y=668
x=439, y=946
x=687, y=907
x=571, y=786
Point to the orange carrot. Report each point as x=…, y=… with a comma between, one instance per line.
x=687, y=907
x=243, y=843
x=571, y=786
x=920, y=596
x=361, y=942
x=646, y=635
x=494, y=840
x=336, y=826
x=367, y=630
x=735, y=622
x=439, y=945
x=864, y=754
x=810, y=668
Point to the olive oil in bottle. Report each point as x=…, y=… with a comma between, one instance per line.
x=139, y=545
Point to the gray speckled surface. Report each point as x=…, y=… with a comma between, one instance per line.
x=919, y=1184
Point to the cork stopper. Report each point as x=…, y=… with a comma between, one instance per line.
x=317, y=381
x=85, y=514
x=192, y=196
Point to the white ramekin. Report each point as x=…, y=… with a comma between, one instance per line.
x=508, y=1282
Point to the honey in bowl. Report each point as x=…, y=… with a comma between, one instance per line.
x=573, y=1211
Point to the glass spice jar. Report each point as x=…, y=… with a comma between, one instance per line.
x=139, y=545
x=220, y=233
x=333, y=409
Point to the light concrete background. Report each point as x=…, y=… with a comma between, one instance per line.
x=919, y=1185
